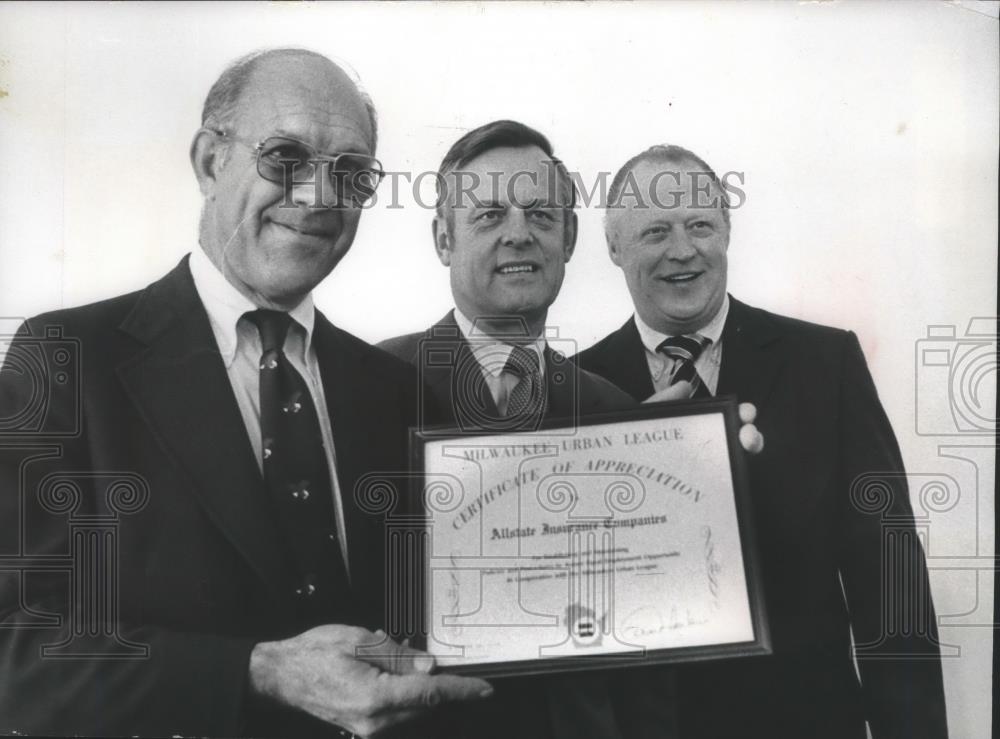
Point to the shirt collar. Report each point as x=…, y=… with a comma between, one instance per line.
x=491, y=353
x=225, y=306
x=651, y=338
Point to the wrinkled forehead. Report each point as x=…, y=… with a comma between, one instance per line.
x=507, y=176
x=309, y=100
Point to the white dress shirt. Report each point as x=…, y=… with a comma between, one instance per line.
x=239, y=346
x=492, y=355
x=707, y=364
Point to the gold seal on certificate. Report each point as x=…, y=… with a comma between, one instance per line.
x=621, y=539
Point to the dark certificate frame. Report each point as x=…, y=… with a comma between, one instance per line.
x=416, y=560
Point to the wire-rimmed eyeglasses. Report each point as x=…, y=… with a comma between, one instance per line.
x=287, y=161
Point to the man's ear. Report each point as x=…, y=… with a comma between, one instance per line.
x=572, y=228
x=613, y=249
x=611, y=236
x=207, y=158
x=442, y=239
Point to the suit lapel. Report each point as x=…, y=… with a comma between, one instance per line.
x=750, y=363
x=561, y=386
x=180, y=387
x=355, y=430
x=453, y=376
x=627, y=366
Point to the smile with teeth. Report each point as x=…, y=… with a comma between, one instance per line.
x=681, y=277
x=510, y=269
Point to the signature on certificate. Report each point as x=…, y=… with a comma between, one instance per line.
x=649, y=621
x=712, y=566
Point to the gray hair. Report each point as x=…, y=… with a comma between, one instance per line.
x=224, y=97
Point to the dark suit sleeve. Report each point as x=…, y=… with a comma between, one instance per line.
x=189, y=684
x=185, y=683
x=883, y=568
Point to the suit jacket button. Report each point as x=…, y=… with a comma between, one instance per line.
x=307, y=587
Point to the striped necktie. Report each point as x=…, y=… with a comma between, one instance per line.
x=527, y=398
x=685, y=350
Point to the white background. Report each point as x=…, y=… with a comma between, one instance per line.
x=867, y=133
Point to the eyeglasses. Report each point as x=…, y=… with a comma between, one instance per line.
x=287, y=161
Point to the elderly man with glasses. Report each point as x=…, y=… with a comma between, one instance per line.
x=247, y=595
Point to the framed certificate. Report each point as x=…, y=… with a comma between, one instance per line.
x=614, y=539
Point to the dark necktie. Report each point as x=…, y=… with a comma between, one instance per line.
x=527, y=399
x=296, y=472
x=685, y=350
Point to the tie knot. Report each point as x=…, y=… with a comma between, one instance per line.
x=688, y=347
x=522, y=362
x=273, y=327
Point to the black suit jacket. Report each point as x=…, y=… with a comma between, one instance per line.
x=836, y=538
x=600, y=705
x=202, y=573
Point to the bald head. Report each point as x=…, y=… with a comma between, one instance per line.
x=673, y=166
x=242, y=82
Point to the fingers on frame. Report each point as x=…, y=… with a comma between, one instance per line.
x=422, y=692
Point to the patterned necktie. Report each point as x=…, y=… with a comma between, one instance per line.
x=296, y=472
x=685, y=350
x=527, y=398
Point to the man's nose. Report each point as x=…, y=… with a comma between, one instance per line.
x=515, y=229
x=680, y=246
x=311, y=188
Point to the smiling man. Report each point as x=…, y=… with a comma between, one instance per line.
x=834, y=563
x=249, y=591
x=505, y=229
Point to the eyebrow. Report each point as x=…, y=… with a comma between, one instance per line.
x=667, y=222
x=289, y=135
x=537, y=203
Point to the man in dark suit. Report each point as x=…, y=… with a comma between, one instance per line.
x=839, y=556
x=506, y=228
x=227, y=424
